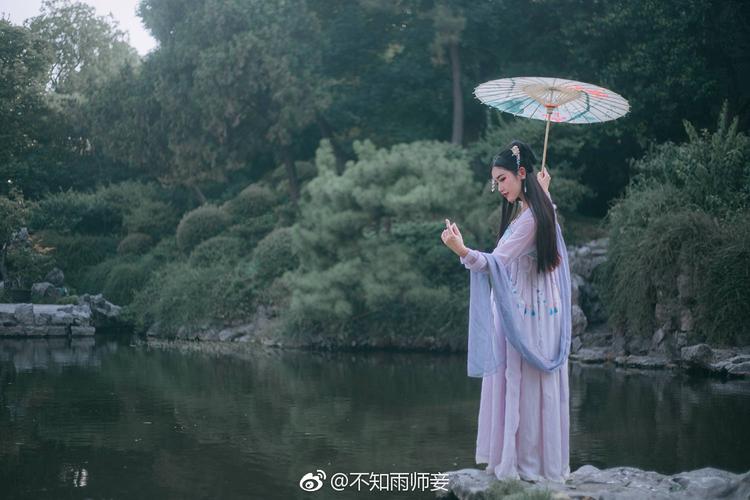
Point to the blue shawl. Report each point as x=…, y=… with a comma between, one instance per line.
x=484, y=354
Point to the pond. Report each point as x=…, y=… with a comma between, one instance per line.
x=104, y=418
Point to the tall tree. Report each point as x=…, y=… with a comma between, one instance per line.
x=235, y=80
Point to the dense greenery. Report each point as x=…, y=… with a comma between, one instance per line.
x=301, y=155
x=681, y=236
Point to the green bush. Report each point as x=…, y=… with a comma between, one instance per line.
x=275, y=255
x=180, y=294
x=217, y=249
x=254, y=229
x=359, y=239
x=253, y=201
x=685, y=212
x=123, y=280
x=153, y=217
x=135, y=244
x=74, y=212
x=199, y=225
x=75, y=253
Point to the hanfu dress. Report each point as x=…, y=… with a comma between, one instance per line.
x=523, y=424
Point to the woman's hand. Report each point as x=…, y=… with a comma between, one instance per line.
x=452, y=238
x=544, y=178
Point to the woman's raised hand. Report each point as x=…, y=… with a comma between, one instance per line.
x=544, y=179
x=452, y=238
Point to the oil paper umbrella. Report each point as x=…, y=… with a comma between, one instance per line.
x=552, y=100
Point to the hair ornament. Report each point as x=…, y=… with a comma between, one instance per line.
x=517, y=153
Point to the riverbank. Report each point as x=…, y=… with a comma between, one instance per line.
x=616, y=483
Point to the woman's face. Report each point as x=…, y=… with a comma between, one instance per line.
x=509, y=183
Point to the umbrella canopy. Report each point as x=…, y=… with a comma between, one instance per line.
x=553, y=100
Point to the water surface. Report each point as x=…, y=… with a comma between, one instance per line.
x=99, y=418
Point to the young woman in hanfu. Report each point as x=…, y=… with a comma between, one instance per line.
x=520, y=327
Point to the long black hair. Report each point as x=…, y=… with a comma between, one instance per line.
x=539, y=203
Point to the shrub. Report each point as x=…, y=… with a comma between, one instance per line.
x=123, y=280
x=153, y=217
x=685, y=213
x=275, y=254
x=71, y=211
x=135, y=244
x=199, y=225
x=180, y=294
x=253, y=201
x=217, y=249
x=74, y=253
x=254, y=229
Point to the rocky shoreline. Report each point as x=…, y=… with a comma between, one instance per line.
x=92, y=312
x=615, y=483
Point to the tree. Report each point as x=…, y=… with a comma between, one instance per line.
x=88, y=49
x=23, y=63
x=233, y=81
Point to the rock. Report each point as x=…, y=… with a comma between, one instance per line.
x=24, y=314
x=575, y=344
x=740, y=369
x=579, y=320
x=686, y=320
x=82, y=331
x=591, y=355
x=104, y=314
x=576, y=285
x=648, y=362
x=467, y=484
x=637, y=344
x=680, y=340
x=46, y=292
x=56, y=277
x=227, y=335
x=657, y=338
x=697, y=355
x=154, y=330
x=616, y=483
x=663, y=313
x=684, y=288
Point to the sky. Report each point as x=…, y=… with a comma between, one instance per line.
x=17, y=11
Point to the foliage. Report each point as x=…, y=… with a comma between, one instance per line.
x=135, y=244
x=216, y=250
x=23, y=63
x=74, y=253
x=274, y=255
x=153, y=217
x=253, y=201
x=354, y=270
x=87, y=49
x=682, y=214
x=180, y=294
x=123, y=280
x=200, y=224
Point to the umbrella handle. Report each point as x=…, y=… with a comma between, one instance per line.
x=546, y=137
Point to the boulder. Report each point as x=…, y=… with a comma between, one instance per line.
x=578, y=318
x=697, y=355
x=104, y=314
x=56, y=277
x=45, y=292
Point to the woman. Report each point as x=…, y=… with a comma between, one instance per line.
x=520, y=348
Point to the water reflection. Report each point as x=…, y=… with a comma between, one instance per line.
x=102, y=419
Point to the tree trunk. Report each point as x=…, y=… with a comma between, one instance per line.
x=458, y=99
x=291, y=173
